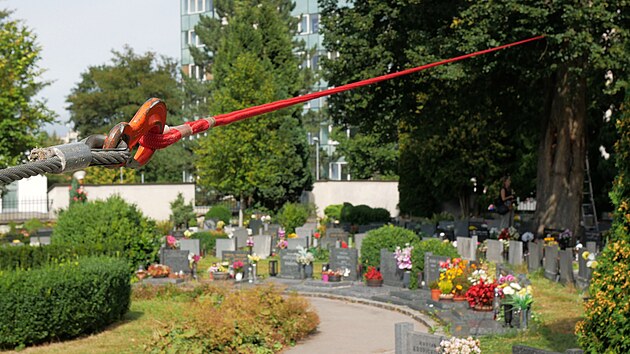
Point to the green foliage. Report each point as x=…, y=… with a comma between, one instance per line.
x=164, y=227
x=433, y=245
x=367, y=157
x=333, y=211
x=181, y=213
x=62, y=301
x=112, y=225
x=363, y=214
x=112, y=93
x=606, y=324
x=252, y=59
x=293, y=215
x=220, y=212
x=388, y=237
x=256, y=320
x=208, y=239
x=21, y=114
x=32, y=225
x=166, y=165
x=12, y=258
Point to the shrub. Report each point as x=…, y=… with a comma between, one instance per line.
x=62, y=301
x=333, y=211
x=111, y=226
x=293, y=215
x=164, y=227
x=220, y=212
x=13, y=258
x=255, y=320
x=181, y=213
x=606, y=324
x=389, y=237
x=208, y=239
x=363, y=214
x=433, y=245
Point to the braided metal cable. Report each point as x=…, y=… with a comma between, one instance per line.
x=53, y=165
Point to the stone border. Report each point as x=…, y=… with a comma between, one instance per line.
x=416, y=315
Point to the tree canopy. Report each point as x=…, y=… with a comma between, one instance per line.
x=250, y=52
x=21, y=113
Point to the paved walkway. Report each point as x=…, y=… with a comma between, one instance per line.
x=347, y=327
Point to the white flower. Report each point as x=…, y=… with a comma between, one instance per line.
x=508, y=291
x=516, y=286
x=455, y=244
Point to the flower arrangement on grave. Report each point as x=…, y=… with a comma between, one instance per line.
x=522, y=298
x=550, y=241
x=493, y=233
x=282, y=243
x=158, y=270
x=403, y=257
x=193, y=259
x=317, y=235
x=304, y=257
x=172, y=242
x=481, y=295
x=253, y=258
x=564, y=238
x=505, y=234
x=338, y=272
x=250, y=241
x=460, y=345
x=220, y=225
x=238, y=266
x=344, y=244
x=373, y=274
x=292, y=235
x=187, y=233
x=591, y=262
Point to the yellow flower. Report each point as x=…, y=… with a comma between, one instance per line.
x=292, y=235
x=586, y=254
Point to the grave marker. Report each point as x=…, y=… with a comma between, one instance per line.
x=408, y=341
x=240, y=235
x=533, y=262
x=294, y=242
x=515, y=252
x=224, y=244
x=432, y=267
x=358, y=241
x=389, y=269
x=289, y=267
x=303, y=232
x=345, y=258
x=495, y=251
x=256, y=226
x=566, y=266
x=591, y=247
x=262, y=246
x=177, y=260
x=190, y=245
x=467, y=248
x=550, y=263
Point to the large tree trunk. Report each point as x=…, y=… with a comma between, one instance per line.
x=561, y=155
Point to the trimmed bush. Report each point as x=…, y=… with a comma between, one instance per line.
x=256, y=320
x=389, y=237
x=363, y=214
x=112, y=226
x=333, y=211
x=220, y=212
x=293, y=215
x=208, y=239
x=13, y=258
x=433, y=245
x=62, y=301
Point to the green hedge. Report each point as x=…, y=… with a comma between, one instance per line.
x=220, y=212
x=113, y=225
x=363, y=214
x=389, y=237
x=62, y=301
x=208, y=239
x=13, y=258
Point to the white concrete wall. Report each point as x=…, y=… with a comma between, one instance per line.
x=31, y=195
x=153, y=199
x=376, y=194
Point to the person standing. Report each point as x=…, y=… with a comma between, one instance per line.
x=507, y=198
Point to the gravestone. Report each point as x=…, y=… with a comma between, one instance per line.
x=432, y=267
x=494, y=224
x=44, y=232
x=272, y=229
x=294, y=242
x=233, y=256
x=240, y=235
x=408, y=341
x=392, y=276
x=467, y=248
x=310, y=226
x=428, y=229
x=262, y=246
x=566, y=266
x=303, y=232
x=523, y=349
x=345, y=258
x=43, y=240
x=332, y=237
x=448, y=229
x=177, y=260
x=190, y=245
x=224, y=244
x=256, y=226
x=583, y=279
x=515, y=253
x=479, y=229
x=289, y=267
x=461, y=228
x=591, y=247
x=495, y=251
x=358, y=241
x=550, y=262
x=533, y=262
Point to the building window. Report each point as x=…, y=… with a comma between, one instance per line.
x=193, y=39
x=197, y=72
x=303, y=24
x=197, y=6
x=314, y=23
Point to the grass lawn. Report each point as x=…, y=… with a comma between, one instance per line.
x=556, y=309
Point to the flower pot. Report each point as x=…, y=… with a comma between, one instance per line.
x=334, y=278
x=459, y=298
x=374, y=283
x=507, y=314
x=141, y=275
x=406, y=278
x=325, y=278
x=435, y=294
x=221, y=275
x=446, y=297
x=238, y=276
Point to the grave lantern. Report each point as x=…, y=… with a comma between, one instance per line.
x=273, y=268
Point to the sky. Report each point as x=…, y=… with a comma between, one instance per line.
x=77, y=34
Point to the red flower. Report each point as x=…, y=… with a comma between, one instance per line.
x=481, y=294
x=344, y=244
x=372, y=273
x=316, y=235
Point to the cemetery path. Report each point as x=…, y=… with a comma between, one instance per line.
x=347, y=327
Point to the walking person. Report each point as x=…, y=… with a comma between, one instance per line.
x=506, y=202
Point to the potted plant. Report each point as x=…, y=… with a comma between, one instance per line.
x=305, y=259
x=403, y=261
x=446, y=289
x=373, y=277
x=435, y=291
x=335, y=275
x=158, y=271
x=218, y=271
x=481, y=295
x=238, y=270
x=460, y=287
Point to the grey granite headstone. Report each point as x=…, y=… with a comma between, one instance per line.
x=240, y=235
x=522, y=349
x=190, y=245
x=515, y=253
x=272, y=229
x=427, y=229
x=467, y=247
x=43, y=240
x=233, y=256
x=177, y=260
x=294, y=242
x=533, y=262
x=495, y=251
x=584, y=273
x=432, y=267
x=423, y=343
x=255, y=225
x=333, y=236
x=566, y=266
x=289, y=267
x=591, y=247
x=401, y=333
x=461, y=228
x=345, y=258
x=550, y=263
x=224, y=244
x=358, y=241
x=392, y=276
x=303, y=232
x=262, y=246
